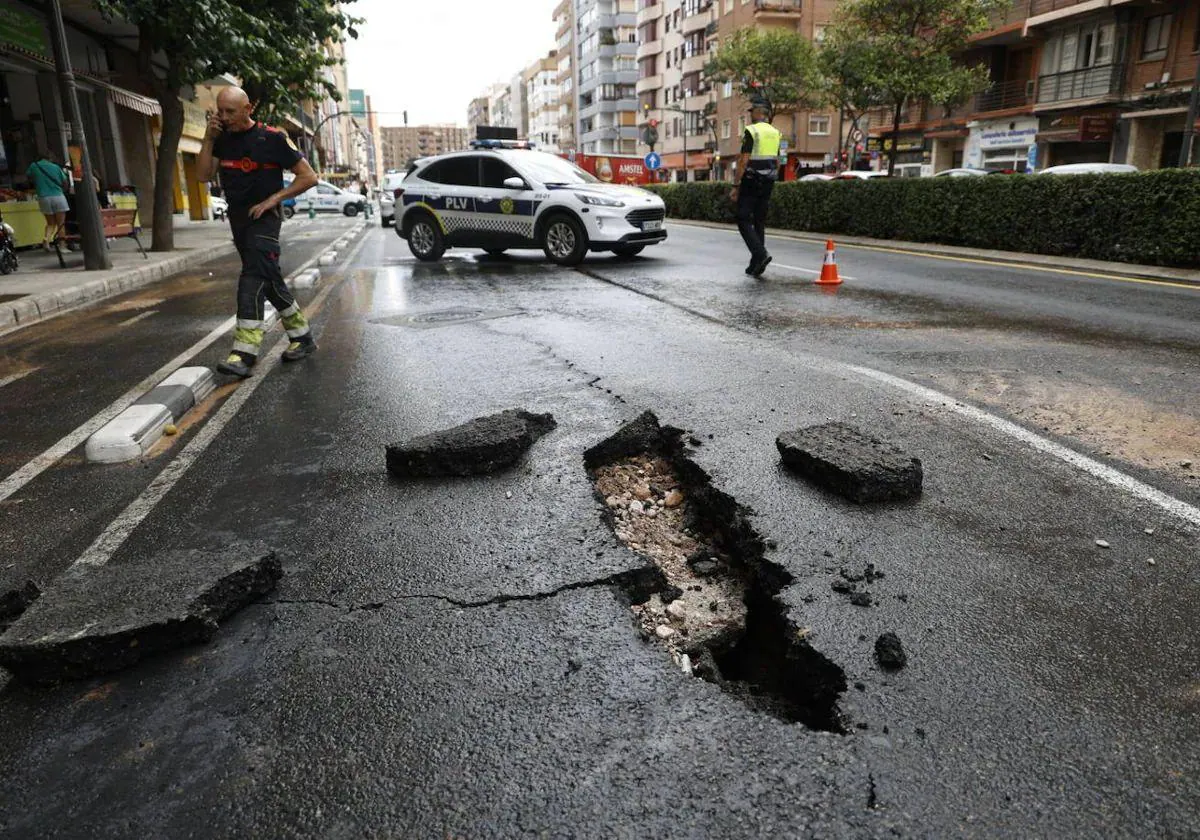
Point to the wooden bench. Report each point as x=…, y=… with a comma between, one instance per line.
x=117, y=224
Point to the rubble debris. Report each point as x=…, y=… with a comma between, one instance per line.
x=483, y=445
x=100, y=619
x=889, y=652
x=845, y=461
x=15, y=601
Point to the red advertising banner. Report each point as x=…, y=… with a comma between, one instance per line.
x=615, y=170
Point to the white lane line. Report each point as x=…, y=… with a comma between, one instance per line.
x=52, y=455
x=807, y=270
x=128, y=321
x=13, y=377
x=58, y=451
x=114, y=536
x=1105, y=473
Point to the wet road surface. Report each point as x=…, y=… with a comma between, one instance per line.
x=436, y=664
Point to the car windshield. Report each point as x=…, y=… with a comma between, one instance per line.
x=551, y=170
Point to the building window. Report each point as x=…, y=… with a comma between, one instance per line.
x=818, y=125
x=819, y=33
x=1156, y=37
x=727, y=90
x=725, y=130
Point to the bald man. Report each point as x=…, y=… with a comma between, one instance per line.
x=251, y=158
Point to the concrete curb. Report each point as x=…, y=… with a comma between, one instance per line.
x=39, y=307
x=132, y=432
x=1119, y=269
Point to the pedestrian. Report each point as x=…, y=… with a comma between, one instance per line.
x=759, y=165
x=252, y=157
x=50, y=181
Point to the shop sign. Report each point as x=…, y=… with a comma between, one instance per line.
x=195, y=120
x=23, y=30
x=1003, y=137
x=1096, y=128
x=874, y=144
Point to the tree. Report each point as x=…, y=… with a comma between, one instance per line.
x=845, y=63
x=907, y=50
x=775, y=65
x=185, y=42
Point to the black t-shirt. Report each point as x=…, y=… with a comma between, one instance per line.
x=251, y=163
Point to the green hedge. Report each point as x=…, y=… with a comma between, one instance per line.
x=1148, y=217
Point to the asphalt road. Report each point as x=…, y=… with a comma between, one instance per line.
x=435, y=662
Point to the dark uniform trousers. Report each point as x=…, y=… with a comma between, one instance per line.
x=257, y=242
x=754, y=197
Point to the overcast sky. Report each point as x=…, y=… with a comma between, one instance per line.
x=432, y=57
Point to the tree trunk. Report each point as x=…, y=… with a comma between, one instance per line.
x=895, y=138
x=163, y=237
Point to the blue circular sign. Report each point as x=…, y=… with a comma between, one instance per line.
x=653, y=161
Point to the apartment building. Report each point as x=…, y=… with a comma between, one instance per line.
x=1072, y=81
x=477, y=113
x=564, y=33
x=402, y=145
x=542, y=102
x=604, y=76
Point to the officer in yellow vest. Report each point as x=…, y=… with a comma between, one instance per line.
x=758, y=164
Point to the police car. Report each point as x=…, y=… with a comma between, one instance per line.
x=498, y=196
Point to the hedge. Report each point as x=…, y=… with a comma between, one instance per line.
x=1146, y=217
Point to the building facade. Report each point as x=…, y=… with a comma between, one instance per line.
x=541, y=94
x=1072, y=81
x=604, y=76
x=401, y=145
x=564, y=33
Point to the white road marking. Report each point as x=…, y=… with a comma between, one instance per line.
x=13, y=377
x=114, y=536
x=128, y=321
x=55, y=453
x=807, y=270
x=1092, y=467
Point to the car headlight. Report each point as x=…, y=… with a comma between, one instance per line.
x=599, y=200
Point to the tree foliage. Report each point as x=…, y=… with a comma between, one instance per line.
x=274, y=45
x=906, y=50
x=775, y=65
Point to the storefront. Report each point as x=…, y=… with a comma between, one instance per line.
x=1001, y=145
x=1154, y=137
x=1075, y=138
x=914, y=155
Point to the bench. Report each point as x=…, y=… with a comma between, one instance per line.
x=117, y=224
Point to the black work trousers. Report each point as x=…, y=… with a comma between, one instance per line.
x=754, y=197
x=261, y=279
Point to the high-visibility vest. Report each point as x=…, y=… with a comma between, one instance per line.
x=764, y=159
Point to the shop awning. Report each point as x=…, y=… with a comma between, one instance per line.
x=1156, y=112
x=948, y=134
x=132, y=101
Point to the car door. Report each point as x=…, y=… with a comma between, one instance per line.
x=505, y=215
x=328, y=197
x=453, y=183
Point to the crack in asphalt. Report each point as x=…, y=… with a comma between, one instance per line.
x=616, y=579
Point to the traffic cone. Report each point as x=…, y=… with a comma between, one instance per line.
x=829, y=271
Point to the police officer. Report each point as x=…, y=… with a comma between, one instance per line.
x=252, y=157
x=759, y=165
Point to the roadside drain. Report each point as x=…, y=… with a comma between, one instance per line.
x=714, y=608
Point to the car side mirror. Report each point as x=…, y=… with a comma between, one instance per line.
x=514, y=184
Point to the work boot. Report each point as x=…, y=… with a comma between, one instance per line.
x=297, y=350
x=236, y=365
x=761, y=266
x=750, y=268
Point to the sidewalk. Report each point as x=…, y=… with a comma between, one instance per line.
x=1071, y=264
x=40, y=289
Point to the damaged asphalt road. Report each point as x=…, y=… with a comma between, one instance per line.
x=456, y=656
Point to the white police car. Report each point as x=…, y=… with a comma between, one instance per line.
x=497, y=197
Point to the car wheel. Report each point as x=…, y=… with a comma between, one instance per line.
x=564, y=240
x=288, y=212
x=350, y=209
x=387, y=221
x=626, y=251
x=425, y=239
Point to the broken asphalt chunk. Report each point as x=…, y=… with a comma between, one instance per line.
x=842, y=459
x=482, y=445
x=95, y=620
x=890, y=652
x=15, y=601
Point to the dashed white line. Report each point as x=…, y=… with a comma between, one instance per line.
x=114, y=536
x=128, y=321
x=13, y=377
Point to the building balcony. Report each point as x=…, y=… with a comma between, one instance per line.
x=712, y=28
x=695, y=63
x=622, y=48
x=697, y=103
x=649, y=48
x=1088, y=83
x=1042, y=12
x=695, y=22
x=649, y=83
x=1002, y=96
x=778, y=8
x=649, y=13
x=607, y=106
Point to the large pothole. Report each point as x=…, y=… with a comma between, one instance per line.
x=715, y=610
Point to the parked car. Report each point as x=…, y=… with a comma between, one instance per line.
x=495, y=198
x=387, y=197
x=326, y=197
x=1089, y=169
x=220, y=207
x=960, y=172
x=816, y=176
x=859, y=175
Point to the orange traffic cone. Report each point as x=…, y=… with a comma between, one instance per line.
x=829, y=272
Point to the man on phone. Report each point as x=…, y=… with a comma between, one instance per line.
x=252, y=157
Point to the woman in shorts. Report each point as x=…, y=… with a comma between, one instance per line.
x=50, y=181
